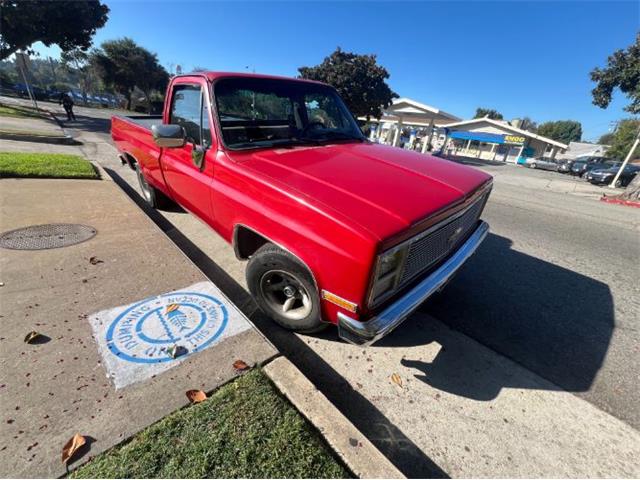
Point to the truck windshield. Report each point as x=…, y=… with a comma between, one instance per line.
x=258, y=113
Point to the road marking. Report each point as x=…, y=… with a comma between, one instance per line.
x=144, y=338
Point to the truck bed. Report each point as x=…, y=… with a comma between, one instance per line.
x=145, y=121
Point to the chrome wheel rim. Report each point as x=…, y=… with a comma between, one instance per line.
x=285, y=295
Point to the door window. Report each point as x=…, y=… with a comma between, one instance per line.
x=190, y=110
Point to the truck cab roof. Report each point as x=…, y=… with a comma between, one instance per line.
x=212, y=76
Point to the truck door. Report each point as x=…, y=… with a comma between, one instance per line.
x=189, y=183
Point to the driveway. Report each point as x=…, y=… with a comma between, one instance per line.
x=525, y=366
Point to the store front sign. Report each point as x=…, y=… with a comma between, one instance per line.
x=514, y=139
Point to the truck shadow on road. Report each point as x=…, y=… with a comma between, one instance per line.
x=553, y=321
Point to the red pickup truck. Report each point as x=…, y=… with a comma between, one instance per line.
x=335, y=229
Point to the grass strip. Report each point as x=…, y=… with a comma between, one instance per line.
x=16, y=112
x=44, y=165
x=246, y=429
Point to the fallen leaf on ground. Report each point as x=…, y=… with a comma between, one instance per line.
x=72, y=447
x=395, y=378
x=240, y=365
x=95, y=261
x=196, y=396
x=176, y=351
x=32, y=336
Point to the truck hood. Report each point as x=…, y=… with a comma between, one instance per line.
x=383, y=189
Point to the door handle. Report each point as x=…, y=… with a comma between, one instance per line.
x=197, y=156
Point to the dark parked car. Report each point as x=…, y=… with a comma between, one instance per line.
x=602, y=176
x=582, y=166
x=565, y=166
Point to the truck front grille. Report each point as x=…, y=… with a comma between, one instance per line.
x=429, y=248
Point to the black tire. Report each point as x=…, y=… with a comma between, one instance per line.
x=276, y=277
x=151, y=195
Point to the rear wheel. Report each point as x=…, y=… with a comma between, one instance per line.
x=533, y=165
x=151, y=195
x=619, y=183
x=284, y=289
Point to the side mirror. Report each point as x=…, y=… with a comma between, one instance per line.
x=169, y=136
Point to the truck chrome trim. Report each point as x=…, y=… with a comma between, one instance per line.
x=479, y=198
x=367, y=332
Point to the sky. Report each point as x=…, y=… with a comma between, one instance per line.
x=521, y=58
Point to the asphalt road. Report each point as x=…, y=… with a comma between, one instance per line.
x=554, y=289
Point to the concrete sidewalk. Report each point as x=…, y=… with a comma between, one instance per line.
x=52, y=390
x=43, y=128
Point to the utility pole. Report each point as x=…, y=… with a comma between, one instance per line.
x=21, y=62
x=626, y=160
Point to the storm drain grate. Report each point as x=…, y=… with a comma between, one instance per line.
x=42, y=237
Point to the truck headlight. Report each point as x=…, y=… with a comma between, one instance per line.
x=388, y=271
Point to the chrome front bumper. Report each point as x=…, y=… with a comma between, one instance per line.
x=365, y=333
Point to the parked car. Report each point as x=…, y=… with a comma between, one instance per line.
x=584, y=164
x=606, y=175
x=565, y=166
x=600, y=166
x=541, y=162
x=335, y=229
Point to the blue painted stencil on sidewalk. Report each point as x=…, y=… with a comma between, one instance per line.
x=145, y=338
x=146, y=331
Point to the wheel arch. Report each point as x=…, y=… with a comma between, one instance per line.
x=246, y=241
x=128, y=159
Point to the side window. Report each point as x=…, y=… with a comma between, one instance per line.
x=189, y=109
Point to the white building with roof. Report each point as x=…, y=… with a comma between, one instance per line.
x=490, y=139
x=406, y=113
x=582, y=149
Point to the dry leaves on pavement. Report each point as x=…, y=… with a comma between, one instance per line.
x=196, y=396
x=72, y=447
x=32, y=337
x=95, y=261
x=395, y=378
x=240, y=365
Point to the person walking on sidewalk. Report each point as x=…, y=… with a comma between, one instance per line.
x=67, y=102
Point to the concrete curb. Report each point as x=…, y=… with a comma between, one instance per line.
x=618, y=201
x=103, y=173
x=64, y=139
x=353, y=448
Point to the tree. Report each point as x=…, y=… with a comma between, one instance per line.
x=606, y=139
x=67, y=23
x=77, y=63
x=482, y=112
x=358, y=78
x=623, y=72
x=124, y=65
x=564, y=131
x=527, y=124
x=623, y=138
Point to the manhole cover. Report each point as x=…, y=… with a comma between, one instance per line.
x=42, y=237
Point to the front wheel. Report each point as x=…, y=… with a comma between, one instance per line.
x=284, y=289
